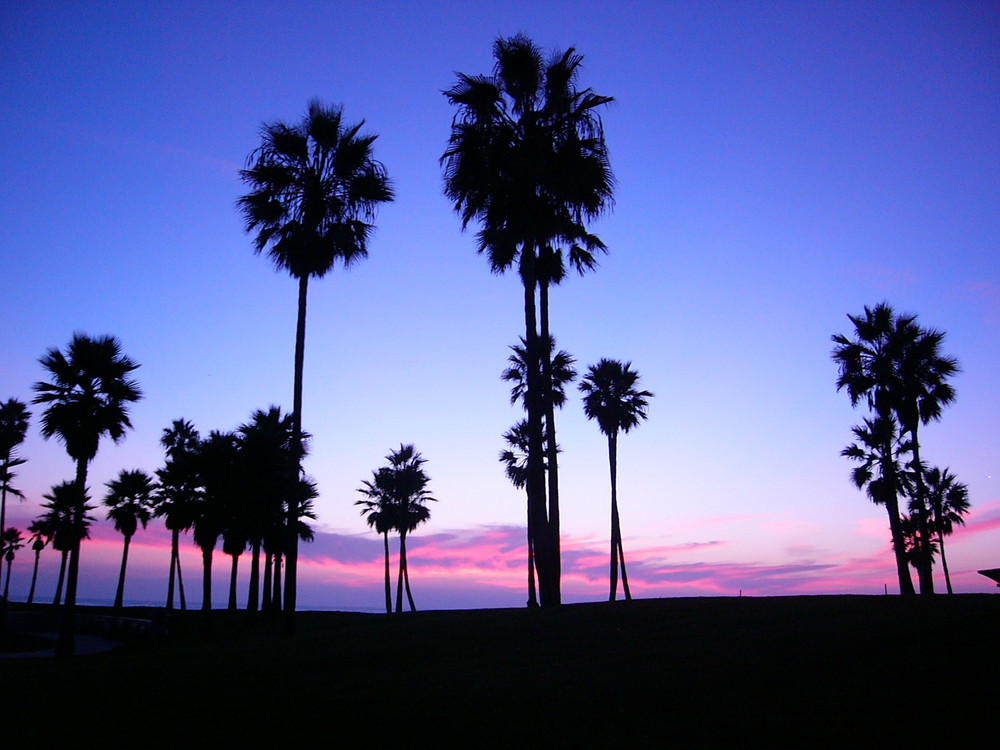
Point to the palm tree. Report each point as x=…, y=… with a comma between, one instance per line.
x=178, y=494
x=527, y=159
x=611, y=396
x=869, y=370
x=14, y=416
x=315, y=188
x=400, y=491
x=515, y=460
x=10, y=542
x=67, y=523
x=379, y=513
x=558, y=371
x=130, y=503
x=40, y=537
x=218, y=468
x=88, y=399
x=949, y=500
x=269, y=454
x=922, y=391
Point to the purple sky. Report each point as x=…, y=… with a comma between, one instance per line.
x=779, y=165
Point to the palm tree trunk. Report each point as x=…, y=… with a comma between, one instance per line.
x=551, y=449
x=891, y=501
x=120, y=593
x=206, y=579
x=233, y=573
x=276, y=593
x=406, y=583
x=174, y=542
x=944, y=561
x=292, y=537
x=180, y=581
x=402, y=568
x=34, y=576
x=6, y=585
x=265, y=599
x=62, y=577
x=532, y=597
x=65, y=643
x=3, y=503
x=925, y=568
x=548, y=583
x=615, y=529
x=388, y=578
x=253, y=595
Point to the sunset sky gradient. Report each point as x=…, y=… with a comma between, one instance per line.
x=779, y=165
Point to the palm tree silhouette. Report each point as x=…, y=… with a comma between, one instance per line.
x=10, y=542
x=611, y=396
x=14, y=416
x=869, y=370
x=218, y=467
x=315, y=188
x=268, y=454
x=67, y=523
x=129, y=502
x=949, y=500
x=400, y=491
x=378, y=512
x=88, y=398
x=923, y=390
x=178, y=494
x=526, y=158
x=40, y=537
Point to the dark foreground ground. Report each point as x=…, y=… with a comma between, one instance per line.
x=843, y=671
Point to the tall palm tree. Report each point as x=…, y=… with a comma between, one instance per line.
x=922, y=392
x=40, y=537
x=611, y=396
x=130, y=503
x=315, y=188
x=400, y=490
x=869, y=370
x=66, y=521
x=88, y=398
x=526, y=158
x=10, y=542
x=178, y=494
x=14, y=416
x=558, y=371
x=949, y=500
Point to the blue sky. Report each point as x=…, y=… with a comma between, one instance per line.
x=779, y=165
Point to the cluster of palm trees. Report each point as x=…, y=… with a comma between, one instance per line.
x=237, y=486
x=396, y=499
x=527, y=160
x=896, y=368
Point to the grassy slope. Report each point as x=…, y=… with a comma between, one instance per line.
x=805, y=671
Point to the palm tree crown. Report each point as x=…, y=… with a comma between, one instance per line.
x=89, y=394
x=611, y=396
x=314, y=190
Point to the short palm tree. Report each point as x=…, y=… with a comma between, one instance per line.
x=40, y=537
x=378, y=512
x=400, y=490
x=66, y=521
x=526, y=158
x=315, y=188
x=611, y=396
x=219, y=477
x=130, y=504
x=178, y=494
x=87, y=398
x=14, y=416
x=10, y=542
x=949, y=501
